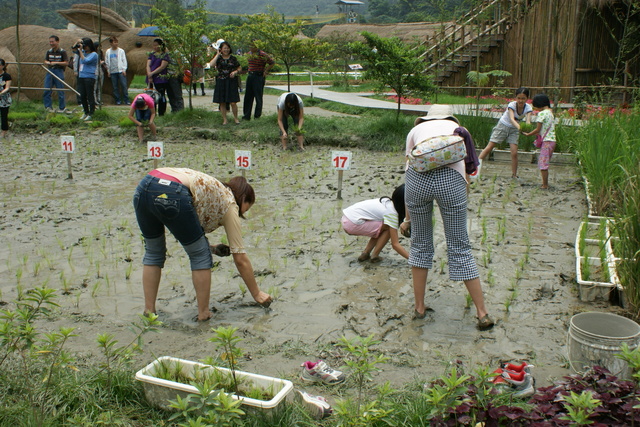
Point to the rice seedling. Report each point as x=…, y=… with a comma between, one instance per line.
x=484, y=231
x=443, y=264
x=585, y=265
x=60, y=243
x=128, y=270
x=18, y=274
x=95, y=233
x=518, y=274
x=491, y=280
x=468, y=301
x=65, y=283
x=36, y=268
x=274, y=292
x=95, y=289
x=522, y=263
x=243, y=289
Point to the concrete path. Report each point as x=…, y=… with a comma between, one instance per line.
x=364, y=99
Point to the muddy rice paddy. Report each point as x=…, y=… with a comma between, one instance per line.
x=80, y=236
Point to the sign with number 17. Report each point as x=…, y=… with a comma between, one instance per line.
x=155, y=149
x=68, y=143
x=243, y=159
x=341, y=160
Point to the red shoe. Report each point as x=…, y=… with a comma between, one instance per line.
x=524, y=366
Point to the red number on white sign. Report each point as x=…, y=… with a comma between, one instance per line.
x=340, y=161
x=155, y=152
x=242, y=161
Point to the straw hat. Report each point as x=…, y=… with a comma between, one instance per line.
x=437, y=112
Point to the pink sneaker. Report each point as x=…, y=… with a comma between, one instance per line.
x=321, y=372
x=316, y=405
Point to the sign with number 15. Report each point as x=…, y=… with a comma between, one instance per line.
x=68, y=143
x=243, y=159
x=155, y=149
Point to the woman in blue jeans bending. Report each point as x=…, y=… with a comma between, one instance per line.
x=190, y=203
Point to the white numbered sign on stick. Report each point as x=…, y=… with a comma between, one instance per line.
x=68, y=143
x=243, y=159
x=341, y=160
x=155, y=150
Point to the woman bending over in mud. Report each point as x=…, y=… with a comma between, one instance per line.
x=190, y=203
x=378, y=219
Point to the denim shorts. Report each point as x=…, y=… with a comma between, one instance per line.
x=143, y=115
x=161, y=203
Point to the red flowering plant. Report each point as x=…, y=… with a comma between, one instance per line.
x=408, y=100
x=589, y=111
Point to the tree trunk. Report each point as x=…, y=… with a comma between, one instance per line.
x=18, y=50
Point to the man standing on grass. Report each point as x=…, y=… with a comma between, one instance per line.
x=259, y=65
x=116, y=62
x=56, y=60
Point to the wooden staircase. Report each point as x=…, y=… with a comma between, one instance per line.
x=479, y=31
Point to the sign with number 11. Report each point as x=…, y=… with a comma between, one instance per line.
x=68, y=143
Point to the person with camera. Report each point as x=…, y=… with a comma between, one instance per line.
x=87, y=76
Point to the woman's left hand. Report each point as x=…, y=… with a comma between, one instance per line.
x=263, y=298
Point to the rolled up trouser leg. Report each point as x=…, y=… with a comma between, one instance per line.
x=155, y=251
x=199, y=254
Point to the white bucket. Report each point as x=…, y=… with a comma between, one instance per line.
x=595, y=338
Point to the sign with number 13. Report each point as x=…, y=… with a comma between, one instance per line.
x=155, y=149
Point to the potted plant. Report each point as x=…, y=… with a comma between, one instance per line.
x=595, y=262
x=168, y=377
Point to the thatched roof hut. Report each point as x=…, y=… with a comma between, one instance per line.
x=88, y=16
x=407, y=32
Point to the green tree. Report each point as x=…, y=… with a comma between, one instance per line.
x=173, y=8
x=284, y=41
x=394, y=64
x=185, y=40
x=340, y=52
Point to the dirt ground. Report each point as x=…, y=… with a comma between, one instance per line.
x=80, y=235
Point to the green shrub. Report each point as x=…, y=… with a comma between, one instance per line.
x=62, y=120
x=125, y=122
x=23, y=116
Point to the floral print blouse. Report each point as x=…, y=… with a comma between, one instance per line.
x=215, y=206
x=226, y=66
